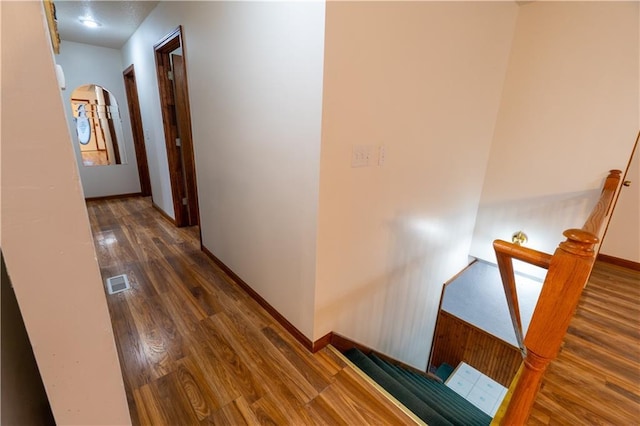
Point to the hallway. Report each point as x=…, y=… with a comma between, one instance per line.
x=196, y=349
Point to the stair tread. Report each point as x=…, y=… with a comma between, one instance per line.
x=446, y=401
x=443, y=405
x=411, y=401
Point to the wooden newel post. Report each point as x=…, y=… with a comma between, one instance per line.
x=569, y=270
x=568, y=273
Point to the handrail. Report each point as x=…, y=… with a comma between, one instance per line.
x=505, y=253
x=596, y=223
x=569, y=269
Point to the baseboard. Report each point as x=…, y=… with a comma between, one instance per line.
x=291, y=329
x=629, y=264
x=114, y=197
x=163, y=213
x=322, y=342
x=343, y=344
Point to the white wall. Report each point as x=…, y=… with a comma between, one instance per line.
x=623, y=236
x=435, y=84
x=139, y=51
x=568, y=114
x=424, y=80
x=86, y=64
x=46, y=239
x=255, y=80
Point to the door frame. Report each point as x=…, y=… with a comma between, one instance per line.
x=133, y=102
x=183, y=179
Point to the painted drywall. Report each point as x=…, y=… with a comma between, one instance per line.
x=568, y=114
x=424, y=80
x=623, y=236
x=46, y=240
x=139, y=52
x=255, y=82
x=85, y=64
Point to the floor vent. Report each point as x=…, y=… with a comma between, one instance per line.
x=118, y=283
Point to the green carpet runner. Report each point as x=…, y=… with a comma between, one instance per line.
x=431, y=401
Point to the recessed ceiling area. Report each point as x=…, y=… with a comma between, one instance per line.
x=116, y=20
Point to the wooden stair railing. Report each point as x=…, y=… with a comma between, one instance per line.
x=505, y=253
x=568, y=271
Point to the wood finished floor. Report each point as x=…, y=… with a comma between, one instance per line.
x=596, y=378
x=196, y=350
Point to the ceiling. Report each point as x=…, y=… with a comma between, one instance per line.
x=118, y=20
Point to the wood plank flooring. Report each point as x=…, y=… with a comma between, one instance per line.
x=197, y=350
x=596, y=378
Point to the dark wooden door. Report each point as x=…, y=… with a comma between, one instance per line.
x=183, y=118
x=174, y=99
x=136, y=129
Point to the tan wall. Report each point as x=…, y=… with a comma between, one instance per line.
x=569, y=113
x=424, y=80
x=46, y=239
